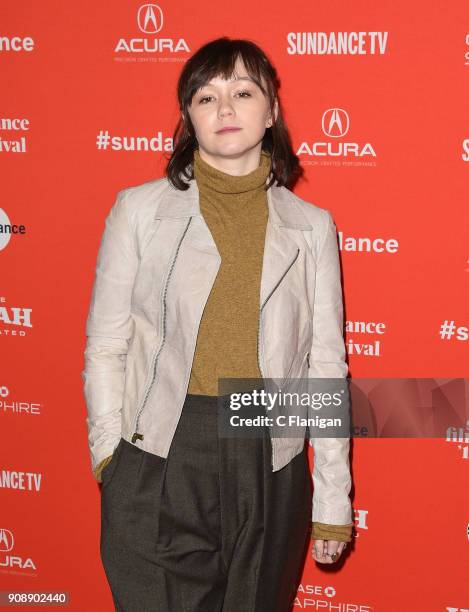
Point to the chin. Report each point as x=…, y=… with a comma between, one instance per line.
x=233, y=151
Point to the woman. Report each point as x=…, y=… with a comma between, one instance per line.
x=215, y=271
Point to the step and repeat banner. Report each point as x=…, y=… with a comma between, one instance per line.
x=376, y=98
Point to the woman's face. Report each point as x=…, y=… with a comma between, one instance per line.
x=237, y=103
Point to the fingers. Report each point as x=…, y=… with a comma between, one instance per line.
x=318, y=551
x=342, y=546
x=327, y=551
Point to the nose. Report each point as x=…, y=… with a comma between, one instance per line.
x=225, y=108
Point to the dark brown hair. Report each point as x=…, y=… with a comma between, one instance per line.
x=218, y=58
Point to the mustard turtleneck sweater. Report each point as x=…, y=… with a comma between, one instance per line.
x=236, y=212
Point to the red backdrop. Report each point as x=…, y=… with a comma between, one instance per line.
x=381, y=128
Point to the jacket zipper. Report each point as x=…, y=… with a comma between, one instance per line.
x=156, y=354
x=259, y=328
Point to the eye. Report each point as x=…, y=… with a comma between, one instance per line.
x=243, y=94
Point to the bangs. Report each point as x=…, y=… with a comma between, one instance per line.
x=223, y=65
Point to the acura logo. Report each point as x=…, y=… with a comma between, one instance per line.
x=150, y=18
x=6, y=540
x=335, y=122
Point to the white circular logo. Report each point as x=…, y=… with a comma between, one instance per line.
x=4, y=236
x=150, y=18
x=335, y=122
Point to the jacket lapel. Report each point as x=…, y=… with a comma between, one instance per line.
x=280, y=248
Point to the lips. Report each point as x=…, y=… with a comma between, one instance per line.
x=228, y=129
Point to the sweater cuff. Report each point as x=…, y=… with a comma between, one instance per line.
x=340, y=533
x=99, y=468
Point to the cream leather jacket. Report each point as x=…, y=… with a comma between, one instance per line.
x=156, y=265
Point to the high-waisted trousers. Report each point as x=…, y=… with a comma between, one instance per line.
x=211, y=528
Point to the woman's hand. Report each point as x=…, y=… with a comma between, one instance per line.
x=327, y=551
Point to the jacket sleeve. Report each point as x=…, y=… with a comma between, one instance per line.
x=109, y=327
x=339, y=533
x=331, y=472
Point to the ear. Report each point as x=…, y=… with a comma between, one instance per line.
x=269, y=120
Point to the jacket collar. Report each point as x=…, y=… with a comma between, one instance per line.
x=284, y=210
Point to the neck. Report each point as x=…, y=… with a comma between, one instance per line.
x=209, y=177
x=236, y=166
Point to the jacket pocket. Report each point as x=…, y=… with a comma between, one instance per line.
x=287, y=378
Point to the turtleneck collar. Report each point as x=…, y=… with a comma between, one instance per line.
x=211, y=178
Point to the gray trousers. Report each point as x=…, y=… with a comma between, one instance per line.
x=209, y=529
